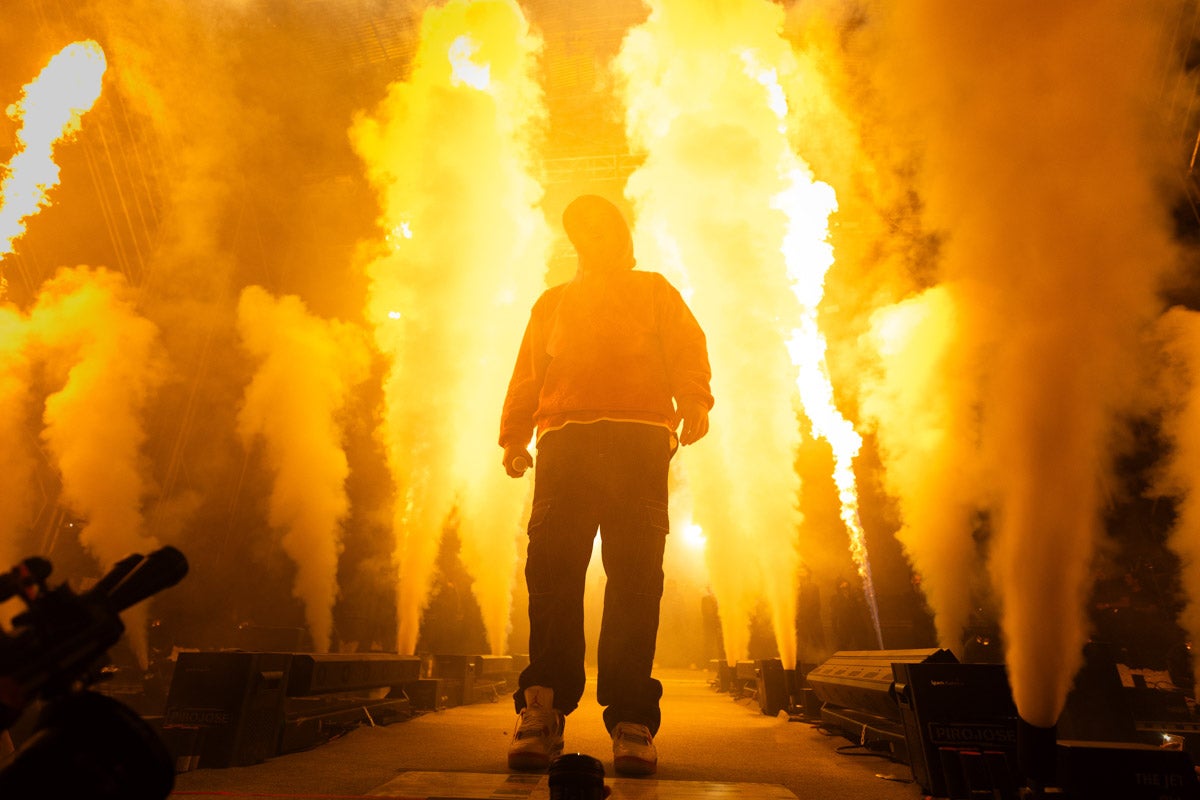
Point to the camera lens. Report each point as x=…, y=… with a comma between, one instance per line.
x=575, y=776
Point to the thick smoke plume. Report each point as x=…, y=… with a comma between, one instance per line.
x=448, y=151
x=1040, y=164
x=307, y=368
x=104, y=360
x=225, y=164
x=1020, y=136
x=679, y=195
x=923, y=408
x=725, y=208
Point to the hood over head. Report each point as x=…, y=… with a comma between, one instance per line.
x=599, y=233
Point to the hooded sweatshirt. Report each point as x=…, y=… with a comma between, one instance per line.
x=613, y=343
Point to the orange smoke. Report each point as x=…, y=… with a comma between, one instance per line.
x=105, y=361
x=1040, y=165
x=921, y=406
x=449, y=152
x=307, y=367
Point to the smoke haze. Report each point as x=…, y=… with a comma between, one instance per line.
x=999, y=237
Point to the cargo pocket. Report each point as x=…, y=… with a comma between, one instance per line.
x=540, y=561
x=657, y=518
x=538, y=515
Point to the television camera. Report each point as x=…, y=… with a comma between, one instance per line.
x=84, y=744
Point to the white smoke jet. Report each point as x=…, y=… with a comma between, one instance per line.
x=706, y=91
x=921, y=406
x=307, y=368
x=107, y=361
x=448, y=151
x=1041, y=163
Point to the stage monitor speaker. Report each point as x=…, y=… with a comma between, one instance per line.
x=328, y=673
x=493, y=678
x=746, y=671
x=457, y=673
x=487, y=666
x=236, y=699
x=430, y=694
x=862, y=679
x=1125, y=770
x=948, y=707
x=777, y=687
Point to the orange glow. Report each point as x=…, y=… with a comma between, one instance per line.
x=729, y=230
x=693, y=536
x=1000, y=213
x=104, y=362
x=1051, y=307
x=443, y=298
x=920, y=405
x=49, y=111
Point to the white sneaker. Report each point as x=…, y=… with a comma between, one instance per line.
x=633, y=749
x=537, y=740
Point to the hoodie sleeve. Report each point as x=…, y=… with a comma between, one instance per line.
x=525, y=386
x=685, y=349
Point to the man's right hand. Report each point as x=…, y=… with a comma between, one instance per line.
x=516, y=461
x=695, y=422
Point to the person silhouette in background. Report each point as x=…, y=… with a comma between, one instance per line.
x=611, y=363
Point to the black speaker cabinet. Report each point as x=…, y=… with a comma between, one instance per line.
x=327, y=673
x=236, y=699
x=948, y=707
x=428, y=694
x=1125, y=770
x=777, y=687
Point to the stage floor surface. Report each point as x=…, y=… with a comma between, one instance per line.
x=711, y=746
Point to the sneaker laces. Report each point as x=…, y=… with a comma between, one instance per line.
x=638, y=734
x=537, y=722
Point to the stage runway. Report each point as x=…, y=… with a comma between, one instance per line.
x=710, y=746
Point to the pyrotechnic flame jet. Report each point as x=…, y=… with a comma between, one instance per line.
x=808, y=203
x=451, y=152
x=50, y=110
x=808, y=255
